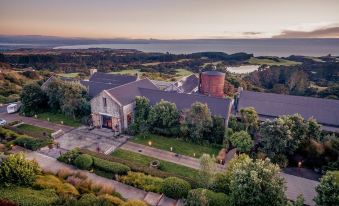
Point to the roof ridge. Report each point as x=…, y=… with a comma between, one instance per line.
x=129, y=83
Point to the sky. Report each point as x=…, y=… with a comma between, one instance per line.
x=171, y=19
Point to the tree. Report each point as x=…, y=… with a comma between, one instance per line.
x=164, y=118
x=33, y=99
x=205, y=197
x=16, y=169
x=242, y=141
x=313, y=129
x=274, y=138
x=250, y=119
x=328, y=189
x=141, y=112
x=256, y=183
x=198, y=120
x=175, y=187
x=207, y=169
x=217, y=131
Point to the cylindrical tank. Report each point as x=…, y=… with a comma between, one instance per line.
x=212, y=83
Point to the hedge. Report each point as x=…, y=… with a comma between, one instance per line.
x=69, y=156
x=175, y=187
x=136, y=167
x=142, y=181
x=32, y=143
x=27, y=197
x=83, y=161
x=112, y=167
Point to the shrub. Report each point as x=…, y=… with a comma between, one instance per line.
x=328, y=189
x=5, y=202
x=175, y=187
x=134, y=203
x=32, y=143
x=138, y=167
x=202, y=197
x=116, y=201
x=28, y=197
x=280, y=160
x=64, y=173
x=52, y=182
x=16, y=169
x=142, y=181
x=83, y=161
x=69, y=156
x=113, y=167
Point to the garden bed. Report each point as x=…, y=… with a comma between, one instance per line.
x=33, y=131
x=178, y=145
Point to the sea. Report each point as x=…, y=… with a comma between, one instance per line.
x=257, y=47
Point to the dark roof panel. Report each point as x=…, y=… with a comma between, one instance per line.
x=325, y=111
x=217, y=106
x=126, y=93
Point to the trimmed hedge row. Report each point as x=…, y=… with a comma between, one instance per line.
x=134, y=166
x=108, y=166
x=32, y=143
x=201, y=196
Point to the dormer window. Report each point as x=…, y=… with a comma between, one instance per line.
x=105, y=101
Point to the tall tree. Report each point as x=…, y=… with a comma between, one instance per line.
x=207, y=170
x=250, y=119
x=33, y=99
x=328, y=190
x=198, y=120
x=242, y=141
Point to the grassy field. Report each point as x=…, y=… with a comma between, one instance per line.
x=179, y=146
x=182, y=73
x=128, y=72
x=164, y=165
x=69, y=75
x=57, y=118
x=32, y=128
x=270, y=62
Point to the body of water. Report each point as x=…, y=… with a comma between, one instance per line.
x=258, y=47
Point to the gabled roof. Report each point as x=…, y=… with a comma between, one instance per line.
x=126, y=93
x=102, y=81
x=325, y=111
x=115, y=79
x=217, y=106
x=185, y=85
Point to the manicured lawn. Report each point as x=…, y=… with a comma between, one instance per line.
x=182, y=73
x=31, y=129
x=179, y=146
x=57, y=118
x=69, y=75
x=270, y=62
x=164, y=165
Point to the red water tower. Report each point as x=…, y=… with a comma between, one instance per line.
x=212, y=83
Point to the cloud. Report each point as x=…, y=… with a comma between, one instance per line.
x=323, y=32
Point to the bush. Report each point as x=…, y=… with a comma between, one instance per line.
x=113, y=167
x=5, y=202
x=32, y=143
x=115, y=201
x=328, y=189
x=69, y=156
x=16, y=169
x=138, y=167
x=64, y=173
x=52, y=182
x=142, y=181
x=83, y=161
x=28, y=197
x=175, y=188
x=280, y=160
x=202, y=197
x=134, y=203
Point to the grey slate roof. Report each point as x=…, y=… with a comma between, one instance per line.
x=217, y=106
x=126, y=93
x=102, y=81
x=325, y=111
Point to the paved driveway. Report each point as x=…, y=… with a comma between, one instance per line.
x=36, y=122
x=82, y=137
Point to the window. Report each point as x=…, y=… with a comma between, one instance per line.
x=105, y=102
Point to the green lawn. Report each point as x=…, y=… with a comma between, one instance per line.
x=179, y=146
x=270, y=62
x=164, y=165
x=57, y=118
x=182, y=73
x=35, y=129
x=69, y=75
x=128, y=72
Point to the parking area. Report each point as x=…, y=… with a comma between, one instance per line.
x=100, y=140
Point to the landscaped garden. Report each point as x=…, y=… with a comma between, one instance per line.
x=178, y=145
x=22, y=182
x=33, y=130
x=164, y=165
